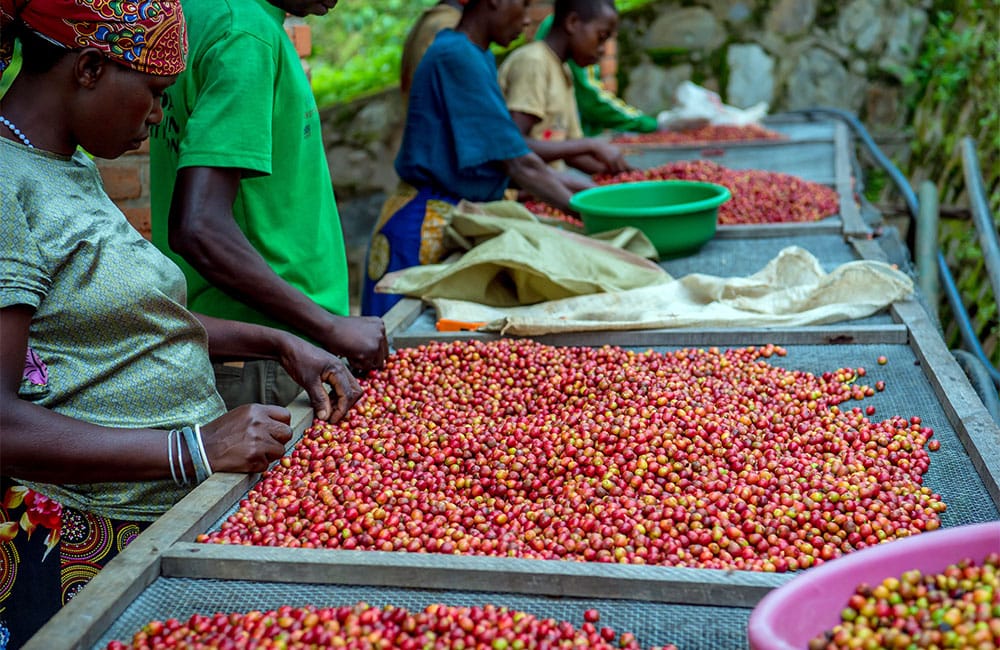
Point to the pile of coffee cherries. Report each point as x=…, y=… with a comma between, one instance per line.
x=363, y=627
x=552, y=215
x=957, y=608
x=708, y=134
x=758, y=196
x=698, y=457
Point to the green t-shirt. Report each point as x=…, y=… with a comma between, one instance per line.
x=109, y=323
x=245, y=102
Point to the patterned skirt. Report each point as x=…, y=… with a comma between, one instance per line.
x=409, y=232
x=48, y=553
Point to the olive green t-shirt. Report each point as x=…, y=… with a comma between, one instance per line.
x=245, y=102
x=109, y=324
x=535, y=82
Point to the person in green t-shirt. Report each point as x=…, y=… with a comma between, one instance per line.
x=599, y=108
x=241, y=193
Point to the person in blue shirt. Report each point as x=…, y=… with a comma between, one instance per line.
x=459, y=142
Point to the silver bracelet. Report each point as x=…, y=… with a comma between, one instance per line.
x=170, y=454
x=201, y=449
x=180, y=456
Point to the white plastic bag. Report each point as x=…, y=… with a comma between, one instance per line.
x=695, y=106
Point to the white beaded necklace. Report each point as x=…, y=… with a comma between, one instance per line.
x=16, y=131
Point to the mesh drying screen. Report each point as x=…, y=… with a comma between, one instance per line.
x=742, y=257
x=811, y=161
x=688, y=627
x=908, y=394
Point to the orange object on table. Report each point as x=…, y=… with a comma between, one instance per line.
x=447, y=325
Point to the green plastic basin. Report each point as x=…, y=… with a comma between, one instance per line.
x=679, y=217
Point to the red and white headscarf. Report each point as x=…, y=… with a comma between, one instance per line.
x=146, y=35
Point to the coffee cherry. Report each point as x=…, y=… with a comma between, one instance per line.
x=437, y=627
x=698, y=458
x=957, y=608
x=758, y=196
x=710, y=133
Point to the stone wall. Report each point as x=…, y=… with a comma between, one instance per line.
x=792, y=54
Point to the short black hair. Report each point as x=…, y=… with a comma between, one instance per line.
x=38, y=54
x=587, y=10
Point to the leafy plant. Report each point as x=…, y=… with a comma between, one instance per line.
x=357, y=47
x=954, y=91
x=11, y=71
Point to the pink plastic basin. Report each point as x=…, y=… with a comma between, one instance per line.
x=790, y=616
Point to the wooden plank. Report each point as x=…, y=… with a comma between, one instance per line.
x=965, y=411
x=854, y=225
x=440, y=571
x=82, y=621
x=830, y=225
x=837, y=334
x=867, y=248
x=401, y=316
x=979, y=433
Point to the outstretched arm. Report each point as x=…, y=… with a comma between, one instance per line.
x=204, y=232
x=530, y=173
x=41, y=445
x=589, y=155
x=307, y=364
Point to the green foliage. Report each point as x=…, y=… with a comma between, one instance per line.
x=954, y=92
x=357, y=47
x=625, y=6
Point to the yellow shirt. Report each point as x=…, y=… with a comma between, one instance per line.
x=421, y=36
x=534, y=81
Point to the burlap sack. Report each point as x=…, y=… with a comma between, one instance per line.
x=512, y=260
x=792, y=290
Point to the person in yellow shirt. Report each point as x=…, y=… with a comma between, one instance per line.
x=538, y=86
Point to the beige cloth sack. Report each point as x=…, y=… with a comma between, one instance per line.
x=512, y=260
x=792, y=290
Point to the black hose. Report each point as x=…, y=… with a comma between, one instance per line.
x=969, y=339
x=898, y=179
x=968, y=334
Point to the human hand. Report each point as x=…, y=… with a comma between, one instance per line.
x=361, y=340
x=576, y=182
x=310, y=366
x=610, y=156
x=247, y=439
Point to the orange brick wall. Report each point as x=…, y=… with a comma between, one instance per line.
x=126, y=180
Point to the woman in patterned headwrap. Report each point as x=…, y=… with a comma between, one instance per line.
x=109, y=409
